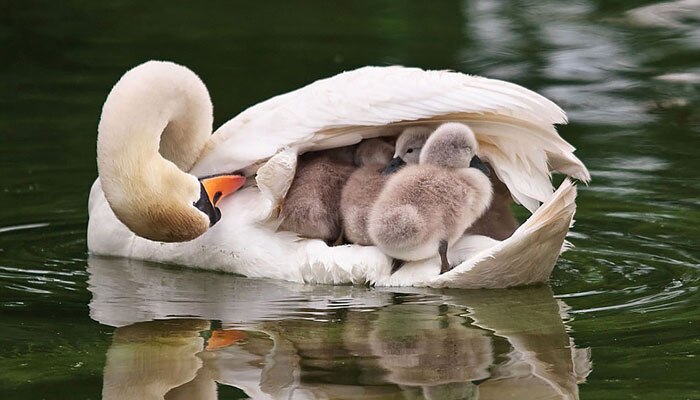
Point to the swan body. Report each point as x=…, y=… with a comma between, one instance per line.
x=514, y=127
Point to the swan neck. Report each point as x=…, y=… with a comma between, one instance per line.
x=159, y=109
x=154, y=124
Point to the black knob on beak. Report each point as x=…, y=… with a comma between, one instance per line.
x=205, y=206
x=478, y=164
x=394, y=166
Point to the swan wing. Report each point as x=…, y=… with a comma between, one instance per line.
x=514, y=125
x=528, y=256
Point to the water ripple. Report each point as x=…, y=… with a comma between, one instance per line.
x=6, y=229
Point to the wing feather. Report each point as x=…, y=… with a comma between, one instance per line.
x=513, y=124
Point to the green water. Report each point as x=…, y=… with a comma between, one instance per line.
x=626, y=297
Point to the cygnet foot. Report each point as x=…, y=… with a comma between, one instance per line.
x=444, y=262
x=396, y=265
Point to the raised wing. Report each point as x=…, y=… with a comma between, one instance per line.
x=514, y=125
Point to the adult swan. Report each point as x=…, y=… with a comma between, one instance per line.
x=155, y=149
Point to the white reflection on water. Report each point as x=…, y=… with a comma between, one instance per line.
x=690, y=77
x=5, y=229
x=282, y=340
x=681, y=15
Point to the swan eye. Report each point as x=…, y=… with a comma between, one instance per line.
x=409, y=151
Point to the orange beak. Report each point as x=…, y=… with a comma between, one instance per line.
x=220, y=186
x=221, y=338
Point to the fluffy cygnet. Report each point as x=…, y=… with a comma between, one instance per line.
x=498, y=222
x=365, y=184
x=312, y=205
x=408, y=147
x=424, y=208
x=363, y=187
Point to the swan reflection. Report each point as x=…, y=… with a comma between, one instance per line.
x=180, y=334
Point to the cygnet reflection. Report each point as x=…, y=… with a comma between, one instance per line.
x=328, y=342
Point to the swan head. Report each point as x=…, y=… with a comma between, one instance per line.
x=408, y=147
x=453, y=145
x=167, y=205
x=154, y=125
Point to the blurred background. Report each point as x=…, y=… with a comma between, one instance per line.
x=626, y=72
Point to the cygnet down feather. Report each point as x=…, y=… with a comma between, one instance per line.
x=498, y=221
x=312, y=205
x=424, y=208
x=408, y=147
x=363, y=187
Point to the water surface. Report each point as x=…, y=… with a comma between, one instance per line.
x=619, y=318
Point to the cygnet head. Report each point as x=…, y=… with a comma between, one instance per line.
x=373, y=151
x=408, y=147
x=452, y=145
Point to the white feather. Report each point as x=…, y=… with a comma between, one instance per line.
x=516, y=122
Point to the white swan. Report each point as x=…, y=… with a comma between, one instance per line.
x=159, y=116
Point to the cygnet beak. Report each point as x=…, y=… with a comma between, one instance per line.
x=478, y=164
x=213, y=189
x=394, y=166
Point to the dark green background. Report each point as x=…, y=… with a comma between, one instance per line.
x=631, y=280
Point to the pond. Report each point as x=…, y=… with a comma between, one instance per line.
x=619, y=318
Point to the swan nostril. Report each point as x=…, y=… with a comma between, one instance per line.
x=217, y=196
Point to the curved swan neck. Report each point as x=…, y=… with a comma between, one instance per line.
x=163, y=107
x=154, y=124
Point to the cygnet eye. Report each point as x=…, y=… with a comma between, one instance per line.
x=409, y=151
